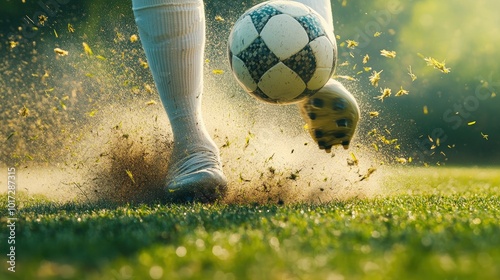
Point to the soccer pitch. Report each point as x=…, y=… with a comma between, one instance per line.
x=427, y=223
x=87, y=142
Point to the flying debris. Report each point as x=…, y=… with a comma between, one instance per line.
x=388, y=54
x=386, y=92
x=375, y=78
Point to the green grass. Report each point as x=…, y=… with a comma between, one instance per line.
x=432, y=224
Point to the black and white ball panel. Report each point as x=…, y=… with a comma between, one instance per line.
x=322, y=48
x=281, y=83
x=276, y=35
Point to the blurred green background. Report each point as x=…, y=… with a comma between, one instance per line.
x=448, y=118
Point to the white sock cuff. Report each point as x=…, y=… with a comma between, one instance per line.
x=146, y=4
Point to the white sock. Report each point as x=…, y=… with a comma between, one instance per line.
x=322, y=7
x=173, y=36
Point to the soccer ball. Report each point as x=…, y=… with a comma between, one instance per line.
x=282, y=51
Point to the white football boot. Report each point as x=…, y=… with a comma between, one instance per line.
x=198, y=177
x=332, y=115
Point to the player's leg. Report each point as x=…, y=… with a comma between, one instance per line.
x=173, y=36
x=332, y=113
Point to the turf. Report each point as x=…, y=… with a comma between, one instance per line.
x=431, y=223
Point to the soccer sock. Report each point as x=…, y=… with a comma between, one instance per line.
x=322, y=7
x=173, y=36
